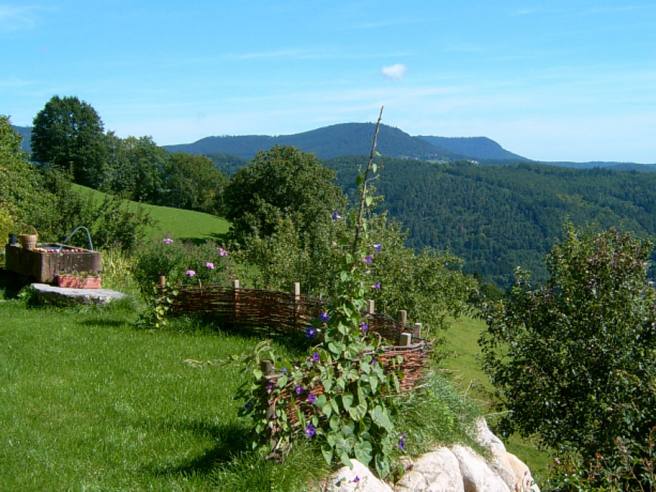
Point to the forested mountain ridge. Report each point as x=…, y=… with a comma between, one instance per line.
x=325, y=143
x=479, y=148
x=500, y=217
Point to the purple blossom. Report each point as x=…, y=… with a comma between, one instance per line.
x=378, y=247
x=223, y=252
x=324, y=316
x=190, y=273
x=335, y=215
x=310, y=332
x=356, y=479
x=298, y=389
x=402, y=441
x=167, y=240
x=368, y=260
x=269, y=387
x=311, y=399
x=376, y=285
x=310, y=431
x=315, y=357
x=209, y=265
x=364, y=327
x=374, y=361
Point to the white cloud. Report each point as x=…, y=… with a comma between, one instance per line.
x=394, y=72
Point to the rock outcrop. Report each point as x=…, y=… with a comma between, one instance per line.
x=456, y=468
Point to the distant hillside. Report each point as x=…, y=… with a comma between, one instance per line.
x=478, y=148
x=26, y=133
x=499, y=217
x=325, y=143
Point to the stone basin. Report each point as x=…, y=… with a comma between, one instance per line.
x=47, y=260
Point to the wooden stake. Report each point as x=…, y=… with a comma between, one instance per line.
x=405, y=339
x=235, y=286
x=403, y=317
x=416, y=330
x=297, y=301
x=371, y=307
x=162, y=281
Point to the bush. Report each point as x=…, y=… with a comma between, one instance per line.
x=575, y=360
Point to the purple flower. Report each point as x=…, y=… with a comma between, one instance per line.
x=223, y=252
x=356, y=479
x=167, y=240
x=368, y=260
x=209, y=265
x=269, y=387
x=315, y=357
x=190, y=273
x=364, y=327
x=335, y=215
x=310, y=431
x=310, y=332
x=298, y=389
x=402, y=441
x=324, y=316
x=378, y=247
x=376, y=285
x=374, y=361
x=311, y=399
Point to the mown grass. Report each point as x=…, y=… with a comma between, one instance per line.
x=463, y=365
x=89, y=402
x=179, y=223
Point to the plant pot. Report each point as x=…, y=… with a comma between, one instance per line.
x=28, y=241
x=78, y=282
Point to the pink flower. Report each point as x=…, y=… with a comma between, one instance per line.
x=223, y=252
x=167, y=240
x=190, y=273
x=209, y=265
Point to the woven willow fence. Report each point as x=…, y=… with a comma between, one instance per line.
x=292, y=312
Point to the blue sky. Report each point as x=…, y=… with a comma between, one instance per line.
x=557, y=80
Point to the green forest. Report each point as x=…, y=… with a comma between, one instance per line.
x=500, y=217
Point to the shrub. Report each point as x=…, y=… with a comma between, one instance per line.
x=575, y=360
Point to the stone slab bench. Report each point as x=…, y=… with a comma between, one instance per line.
x=50, y=294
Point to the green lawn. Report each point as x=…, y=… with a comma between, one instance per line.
x=179, y=223
x=91, y=403
x=463, y=365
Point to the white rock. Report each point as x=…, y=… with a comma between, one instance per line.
x=437, y=471
x=498, y=460
x=358, y=478
x=476, y=474
x=59, y=296
x=523, y=479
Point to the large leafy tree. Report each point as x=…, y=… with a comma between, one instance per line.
x=575, y=360
x=68, y=134
x=194, y=183
x=282, y=182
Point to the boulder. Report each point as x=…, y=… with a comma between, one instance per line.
x=61, y=296
x=477, y=476
x=356, y=478
x=437, y=471
x=523, y=479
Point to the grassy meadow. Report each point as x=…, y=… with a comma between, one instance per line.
x=182, y=224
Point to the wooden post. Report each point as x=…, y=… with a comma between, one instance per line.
x=235, y=286
x=371, y=307
x=403, y=317
x=267, y=369
x=162, y=282
x=416, y=331
x=405, y=339
x=297, y=301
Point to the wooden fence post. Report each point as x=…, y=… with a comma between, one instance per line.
x=403, y=318
x=416, y=331
x=235, y=286
x=405, y=339
x=162, y=282
x=371, y=307
x=297, y=302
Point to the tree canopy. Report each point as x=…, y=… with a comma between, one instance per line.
x=281, y=182
x=68, y=134
x=575, y=361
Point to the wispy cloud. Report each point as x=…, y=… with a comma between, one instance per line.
x=383, y=23
x=394, y=72
x=602, y=9
x=18, y=17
